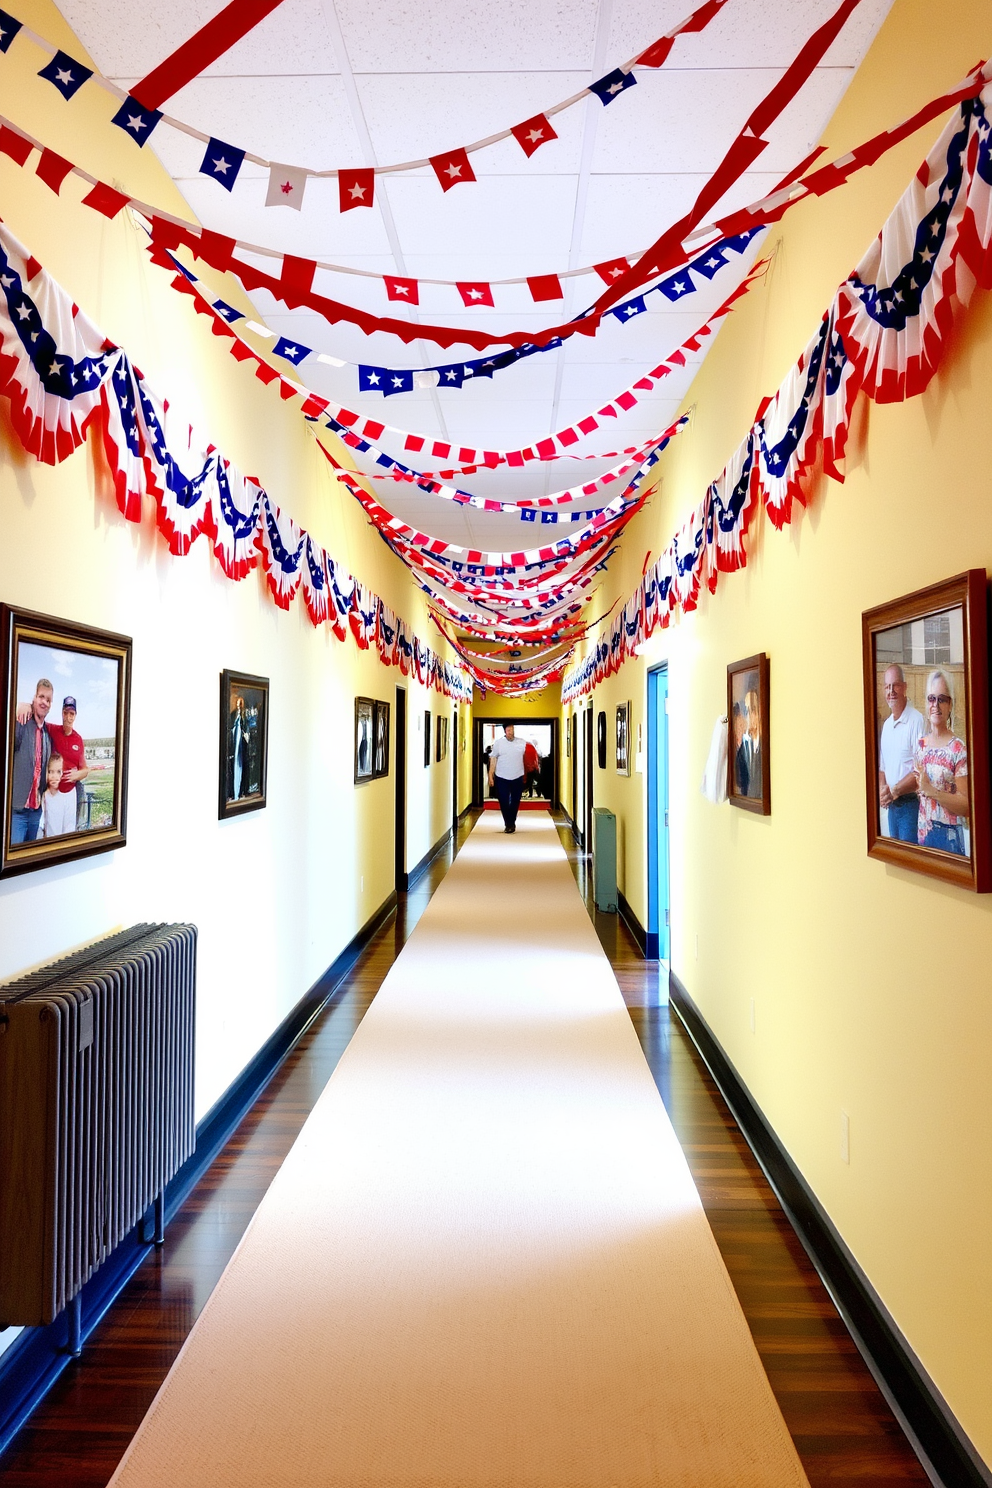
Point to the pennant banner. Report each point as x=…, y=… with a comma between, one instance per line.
x=61, y=375
x=884, y=334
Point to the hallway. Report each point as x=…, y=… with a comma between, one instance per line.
x=790, y=1321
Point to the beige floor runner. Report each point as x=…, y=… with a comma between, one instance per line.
x=484, y=1261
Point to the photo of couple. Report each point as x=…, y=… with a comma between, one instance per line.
x=923, y=769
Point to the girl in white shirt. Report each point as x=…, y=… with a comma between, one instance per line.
x=58, y=808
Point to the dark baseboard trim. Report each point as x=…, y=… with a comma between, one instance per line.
x=936, y=1435
x=36, y=1358
x=636, y=929
x=416, y=874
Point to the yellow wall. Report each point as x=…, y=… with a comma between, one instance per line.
x=870, y=984
x=279, y=893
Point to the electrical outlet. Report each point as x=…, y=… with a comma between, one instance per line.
x=752, y=1014
x=845, y=1137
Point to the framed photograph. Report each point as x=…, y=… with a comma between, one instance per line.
x=427, y=737
x=623, y=739
x=380, y=763
x=441, y=744
x=601, y=739
x=364, y=739
x=926, y=731
x=749, y=783
x=66, y=708
x=244, y=743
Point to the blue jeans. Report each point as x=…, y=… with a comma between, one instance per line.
x=24, y=824
x=509, y=793
x=945, y=839
x=904, y=816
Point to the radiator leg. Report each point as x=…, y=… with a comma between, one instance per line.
x=160, y=1218
x=74, y=1317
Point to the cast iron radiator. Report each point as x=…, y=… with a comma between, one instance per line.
x=96, y=1109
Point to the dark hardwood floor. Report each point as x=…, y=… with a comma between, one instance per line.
x=842, y=1427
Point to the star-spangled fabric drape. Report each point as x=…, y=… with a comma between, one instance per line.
x=884, y=334
x=61, y=375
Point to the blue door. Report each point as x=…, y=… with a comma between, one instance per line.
x=658, y=942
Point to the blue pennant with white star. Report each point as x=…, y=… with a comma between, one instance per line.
x=293, y=351
x=677, y=287
x=227, y=311
x=9, y=28
x=136, y=120
x=66, y=74
x=628, y=310
x=612, y=85
x=451, y=376
x=221, y=163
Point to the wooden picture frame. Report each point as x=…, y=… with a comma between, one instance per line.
x=749, y=783
x=601, y=739
x=933, y=643
x=364, y=739
x=244, y=744
x=427, y=738
x=623, y=739
x=380, y=740
x=92, y=689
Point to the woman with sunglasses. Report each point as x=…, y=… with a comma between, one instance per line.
x=942, y=771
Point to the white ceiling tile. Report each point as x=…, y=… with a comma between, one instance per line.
x=442, y=36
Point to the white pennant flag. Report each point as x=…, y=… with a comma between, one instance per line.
x=286, y=186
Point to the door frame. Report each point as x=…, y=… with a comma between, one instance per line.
x=399, y=765
x=478, y=794
x=658, y=931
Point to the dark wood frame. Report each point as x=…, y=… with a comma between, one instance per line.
x=761, y=805
x=380, y=710
x=601, y=739
x=361, y=705
x=427, y=738
x=18, y=625
x=622, y=741
x=558, y=754
x=967, y=591
x=441, y=738
x=225, y=807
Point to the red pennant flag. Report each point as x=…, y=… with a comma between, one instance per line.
x=611, y=270
x=15, y=145
x=356, y=188
x=452, y=169
x=297, y=273
x=545, y=287
x=406, y=291
x=215, y=249
x=475, y=294
x=53, y=169
x=106, y=200
x=533, y=133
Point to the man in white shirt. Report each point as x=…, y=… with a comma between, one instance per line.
x=506, y=772
x=897, y=786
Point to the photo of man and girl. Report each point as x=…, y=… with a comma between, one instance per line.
x=61, y=778
x=922, y=710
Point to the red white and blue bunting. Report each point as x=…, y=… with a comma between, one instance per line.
x=61, y=374
x=884, y=335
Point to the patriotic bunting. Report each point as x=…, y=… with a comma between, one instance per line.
x=222, y=163
x=136, y=121
x=66, y=74
x=884, y=334
x=61, y=375
x=356, y=188
x=286, y=187
x=240, y=16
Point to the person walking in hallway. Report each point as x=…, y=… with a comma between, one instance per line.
x=506, y=772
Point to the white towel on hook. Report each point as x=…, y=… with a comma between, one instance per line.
x=714, y=785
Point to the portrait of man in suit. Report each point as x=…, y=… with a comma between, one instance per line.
x=747, y=708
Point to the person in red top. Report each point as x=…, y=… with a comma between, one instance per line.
x=67, y=743
x=532, y=767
